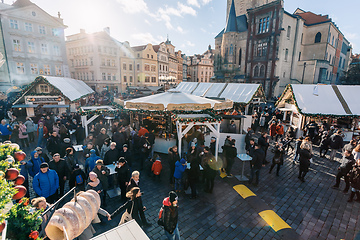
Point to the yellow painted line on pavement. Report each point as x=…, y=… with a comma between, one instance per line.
x=222, y=174
x=243, y=191
x=273, y=220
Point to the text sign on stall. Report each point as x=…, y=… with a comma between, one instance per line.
x=44, y=99
x=145, y=106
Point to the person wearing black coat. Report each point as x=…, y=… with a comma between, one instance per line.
x=79, y=134
x=125, y=153
x=324, y=143
x=278, y=158
x=112, y=155
x=53, y=144
x=120, y=138
x=77, y=171
x=42, y=154
x=264, y=144
x=347, y=163
x=100, y=138
x=354, y=178
x=134, y=206
x=194, y=172
x=213, y=145
x=173, y=157
x=123, y=175
x=231, y=154
x=61, y=168
x=304, y=159
x=336, y=143
x=170, y=216
x=256, y=163
x=208, y=163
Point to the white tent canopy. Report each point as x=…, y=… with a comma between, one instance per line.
x=313, y=99
x=236, y=92
x=172, y=100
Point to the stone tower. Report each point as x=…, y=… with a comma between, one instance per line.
x=242, y=5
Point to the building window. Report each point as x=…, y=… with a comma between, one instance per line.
x=264, y=49
x=113, y=63
x=147, y=79
x=130, y=67
x=286, y=54
x=34, y=68
x=318, y=37
x=332, y=42
x=103, y=76
x=153, y=79
x=58, y=71
x=44, y=49
x=28, y=27
x=113, y=77
x=124, y=66
x=147, y=67
x=47, y=69
x=44, y=88
x=92, y=76
x=14, y=24
x=42, y=30
x=55, y=32
x=91, y=61
x=125, y=79
x=138, y=55
x=263, y=25
x=138, y=67
x=138, y=79
x=31, y=47
x=153, y=68
x=17, y=46
x=240, y=55
x=57, y=50
x=148, y=56
x=108, y=62
x=152, y=56
x=109, y=76
x=20, y=68
x=131, y=78
x=256, y=71
x=299, y=56
x=288, y=32
x=262, y=71
x=103, y=62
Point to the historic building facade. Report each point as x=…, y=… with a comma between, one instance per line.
x=32, y=44
x=201, y=67
x=262, y=43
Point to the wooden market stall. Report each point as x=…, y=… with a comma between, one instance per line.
x=52, y=94
x=334, y=104
x=175, y=107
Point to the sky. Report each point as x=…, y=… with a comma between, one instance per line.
x=190, y=24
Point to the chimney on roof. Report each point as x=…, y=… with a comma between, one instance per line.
x=107, y=30
x=82, y=30
x=59, y=15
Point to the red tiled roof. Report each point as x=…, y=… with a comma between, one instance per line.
x=312, y=18
x=156, y=48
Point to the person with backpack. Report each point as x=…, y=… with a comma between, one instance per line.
x=35, y=162
x=354, y=178
x=180, y=167
x=77, y=178
x=156, y=167
x=168, y=216
x=346, y=166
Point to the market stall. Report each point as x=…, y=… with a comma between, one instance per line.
x=51, y=94
x=177, y=108
x=335, y=105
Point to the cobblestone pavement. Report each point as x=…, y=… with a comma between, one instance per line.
x=312, y=208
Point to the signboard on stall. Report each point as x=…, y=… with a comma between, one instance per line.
x=44, y=99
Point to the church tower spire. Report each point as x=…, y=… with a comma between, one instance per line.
x=231, y=25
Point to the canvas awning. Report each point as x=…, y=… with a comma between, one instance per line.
x=325, y=100
x=175, y=100
x=25, y=106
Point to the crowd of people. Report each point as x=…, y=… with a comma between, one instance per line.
x=130, y=149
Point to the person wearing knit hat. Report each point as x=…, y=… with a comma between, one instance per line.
x=102, y=173
x=180, y=167
x=44, y=165
x=94, y=184
x=169, y=217
x=46, y=183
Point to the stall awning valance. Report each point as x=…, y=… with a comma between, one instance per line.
x=55, y=106
x=25, y=106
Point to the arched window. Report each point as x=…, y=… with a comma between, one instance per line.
x=256, y=71
x=231, y=50
x=262, y=71
x=240, y=53
x=318, y=37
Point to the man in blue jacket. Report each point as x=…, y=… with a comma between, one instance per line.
x=5, y=131
x=46, y=183
x=90, y=162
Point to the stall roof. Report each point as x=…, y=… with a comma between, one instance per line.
x=25, y=106
x=327, y=100
x=236, y=92
x=187, y=87
x=127, y=231
x=240, y=92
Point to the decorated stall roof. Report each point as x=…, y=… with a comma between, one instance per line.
x=70, y=88
x=321, y=100
x=237, y=92
x=241, y=92
x=174, y=100
x=187, y=87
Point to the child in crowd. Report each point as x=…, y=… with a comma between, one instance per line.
x=156, y=167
